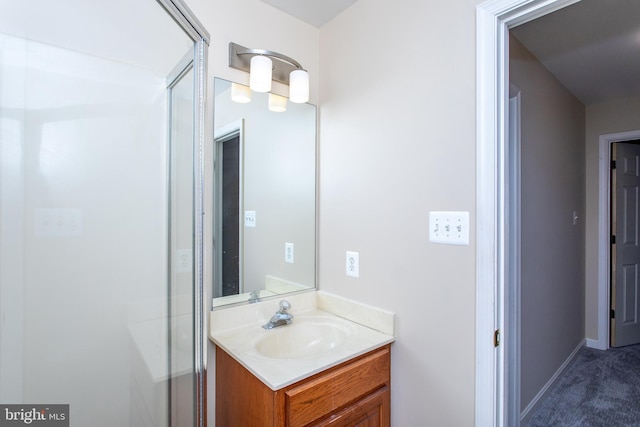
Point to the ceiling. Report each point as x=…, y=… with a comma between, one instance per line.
x=314, y=12
x=592, y=47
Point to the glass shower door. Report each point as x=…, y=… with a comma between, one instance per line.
x=181, y=238
x=97, y=303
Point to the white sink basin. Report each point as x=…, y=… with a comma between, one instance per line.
x=306, y=337
x=316, y=340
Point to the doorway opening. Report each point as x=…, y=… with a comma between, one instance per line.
x=624, y=327
x=495, y=401
x=229, y=226
x=604, y=235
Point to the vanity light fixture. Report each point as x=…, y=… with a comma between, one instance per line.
x=277, y=103
x=299, y=86
x=240, y=93
x=260, y=74
x=265, y=65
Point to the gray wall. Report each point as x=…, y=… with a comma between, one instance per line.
x=553, y=186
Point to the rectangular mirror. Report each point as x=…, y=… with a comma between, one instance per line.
x=264, y=198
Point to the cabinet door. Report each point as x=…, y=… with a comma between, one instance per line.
x=370, y=411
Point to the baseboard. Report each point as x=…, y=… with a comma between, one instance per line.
x=591, y=343
x=543, y=392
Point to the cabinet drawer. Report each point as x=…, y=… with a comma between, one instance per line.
x=370, y=411
x=316, y=398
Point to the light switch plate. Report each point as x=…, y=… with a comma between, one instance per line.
x=451, y=228
x=53, y=222
x=250, y=219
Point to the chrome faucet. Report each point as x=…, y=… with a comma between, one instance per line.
x=281, y=317
x=254, y=296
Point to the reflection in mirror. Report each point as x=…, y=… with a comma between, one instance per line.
x=264, y=198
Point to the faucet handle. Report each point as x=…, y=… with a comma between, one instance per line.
x=284, y=306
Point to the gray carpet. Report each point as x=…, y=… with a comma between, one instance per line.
x=598, y=389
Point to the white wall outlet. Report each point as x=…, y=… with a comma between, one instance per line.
x=288, y=253
x=184, y=261
x=451, y=228
x=250, y=219
x=353, y=264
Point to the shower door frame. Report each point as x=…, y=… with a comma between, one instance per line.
x=186, y=19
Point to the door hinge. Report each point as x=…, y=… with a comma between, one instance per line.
x=613, y=314
x=496, y=338
x=613, y=164
x=613, y=239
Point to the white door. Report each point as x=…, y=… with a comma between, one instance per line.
x=625, y=244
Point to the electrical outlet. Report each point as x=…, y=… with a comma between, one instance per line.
x=250, y=219
x=353, y=264
x=183, y=261
x=288, y=253
x=451, y=228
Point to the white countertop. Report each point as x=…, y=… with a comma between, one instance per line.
x=237, y=329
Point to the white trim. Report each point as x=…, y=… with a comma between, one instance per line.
x=538, y=398
x=593, y=344
x=493, y=18
x=487, y=388
x=605, y=141
x=512, y=296
x=228, y=130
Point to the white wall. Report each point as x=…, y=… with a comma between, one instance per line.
x=254, y=24
x=61, y=23
x=552, y=247
x=397, y=140
x=609, y=117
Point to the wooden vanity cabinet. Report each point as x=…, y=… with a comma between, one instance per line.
x=354, y=393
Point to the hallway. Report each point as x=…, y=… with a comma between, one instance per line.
x=599, y=388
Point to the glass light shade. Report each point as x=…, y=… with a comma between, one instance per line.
x=240, y=93
x=277, y=103
x=299, y=86
x=260, y=74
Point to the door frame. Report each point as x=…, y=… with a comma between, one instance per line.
x=493, y=20
x=604, y=221
x=512, y=291
x=190, y=24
